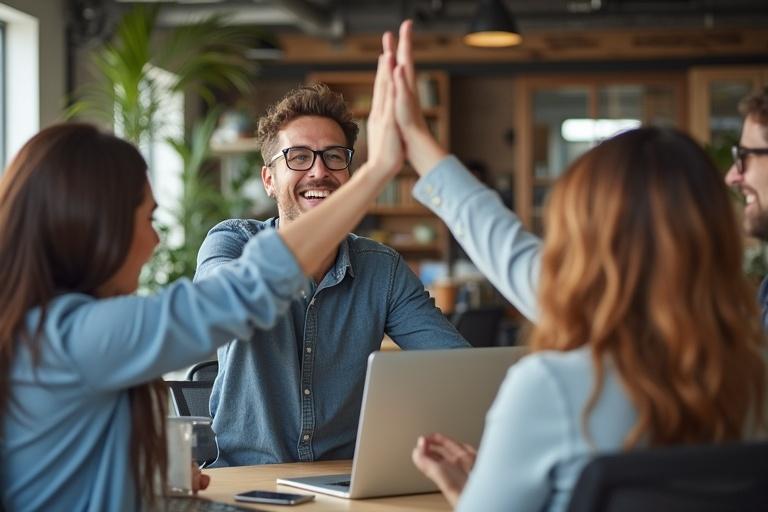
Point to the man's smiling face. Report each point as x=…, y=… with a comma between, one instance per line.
x=753, y=181
x=299, y=191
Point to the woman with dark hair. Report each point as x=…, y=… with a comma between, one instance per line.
x=646, y=334
x=82, y=406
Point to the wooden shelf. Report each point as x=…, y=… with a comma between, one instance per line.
x=395, y=210
x=360, y=113
x=417, y=247
x=432, y=111
x=544, y=182
x=429, y=112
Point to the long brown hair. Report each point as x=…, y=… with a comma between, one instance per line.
x=642, y=263
x=67, y=205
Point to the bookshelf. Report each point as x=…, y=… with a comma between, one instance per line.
x=396, y=218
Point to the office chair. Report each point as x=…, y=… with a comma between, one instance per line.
x=717, y=478
x=190, y=398
x=205, y=371
x=480, y=326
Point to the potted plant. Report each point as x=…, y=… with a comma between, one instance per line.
x=127, y=94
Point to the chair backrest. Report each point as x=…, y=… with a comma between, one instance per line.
x=190, y=398
x=205, y=371
x=717, y=478
x=479, y=326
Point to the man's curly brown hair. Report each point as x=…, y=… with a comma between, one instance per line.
x=756, y=106
x=308, y=100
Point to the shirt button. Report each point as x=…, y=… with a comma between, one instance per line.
x=436, y=201
x=309, y=350
x=306, y=437
x=459, y=231
x=307, y=392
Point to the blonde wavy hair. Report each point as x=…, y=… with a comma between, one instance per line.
x=642, y=263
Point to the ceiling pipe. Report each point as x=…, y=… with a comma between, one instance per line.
x=316, y=21
x=298, y=13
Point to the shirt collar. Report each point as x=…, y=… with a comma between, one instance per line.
x=341, y=266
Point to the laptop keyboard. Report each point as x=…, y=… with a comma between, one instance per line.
x=343, y=483
x=192, y=504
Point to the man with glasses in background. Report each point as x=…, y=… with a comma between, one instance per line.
x=293, y=393
x=749, y=174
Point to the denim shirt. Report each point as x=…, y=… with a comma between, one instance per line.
x=762, y=298
x=293, y=393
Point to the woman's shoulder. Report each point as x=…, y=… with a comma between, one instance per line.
x=568, y=374
x=557, y=362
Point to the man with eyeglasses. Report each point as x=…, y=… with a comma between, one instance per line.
x=293, y=393
x=749, y=174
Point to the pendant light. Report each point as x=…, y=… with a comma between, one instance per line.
x=492, y=26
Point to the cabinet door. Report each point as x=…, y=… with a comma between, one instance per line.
x=552, y=150
x=640, y=104
x=560, y=119
x=715, y=93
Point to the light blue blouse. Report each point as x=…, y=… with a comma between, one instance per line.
x=533, y=446
x=66, y=433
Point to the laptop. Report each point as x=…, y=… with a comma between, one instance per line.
x=408, y=394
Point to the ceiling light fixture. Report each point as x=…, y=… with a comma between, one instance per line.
x=492, y=26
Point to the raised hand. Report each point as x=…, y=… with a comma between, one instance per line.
x=421, y=148
x=407, y=107
x=446, y=462
x=385, y=148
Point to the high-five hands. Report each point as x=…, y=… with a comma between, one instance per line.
x=421, y=148
x=407, y=108
x=396, y=126
x=385, y=148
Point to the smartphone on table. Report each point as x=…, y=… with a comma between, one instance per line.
x=273, y=498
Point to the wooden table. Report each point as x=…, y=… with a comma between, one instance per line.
x=226, y=482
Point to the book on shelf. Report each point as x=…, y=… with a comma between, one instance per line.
x=406, y=184
x=426, y=87
x=398, y=192
x=390, y=195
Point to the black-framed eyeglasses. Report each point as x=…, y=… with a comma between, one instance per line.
x=740, y=154
x=300, y=158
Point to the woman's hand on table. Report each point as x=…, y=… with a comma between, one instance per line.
x=446, y=462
